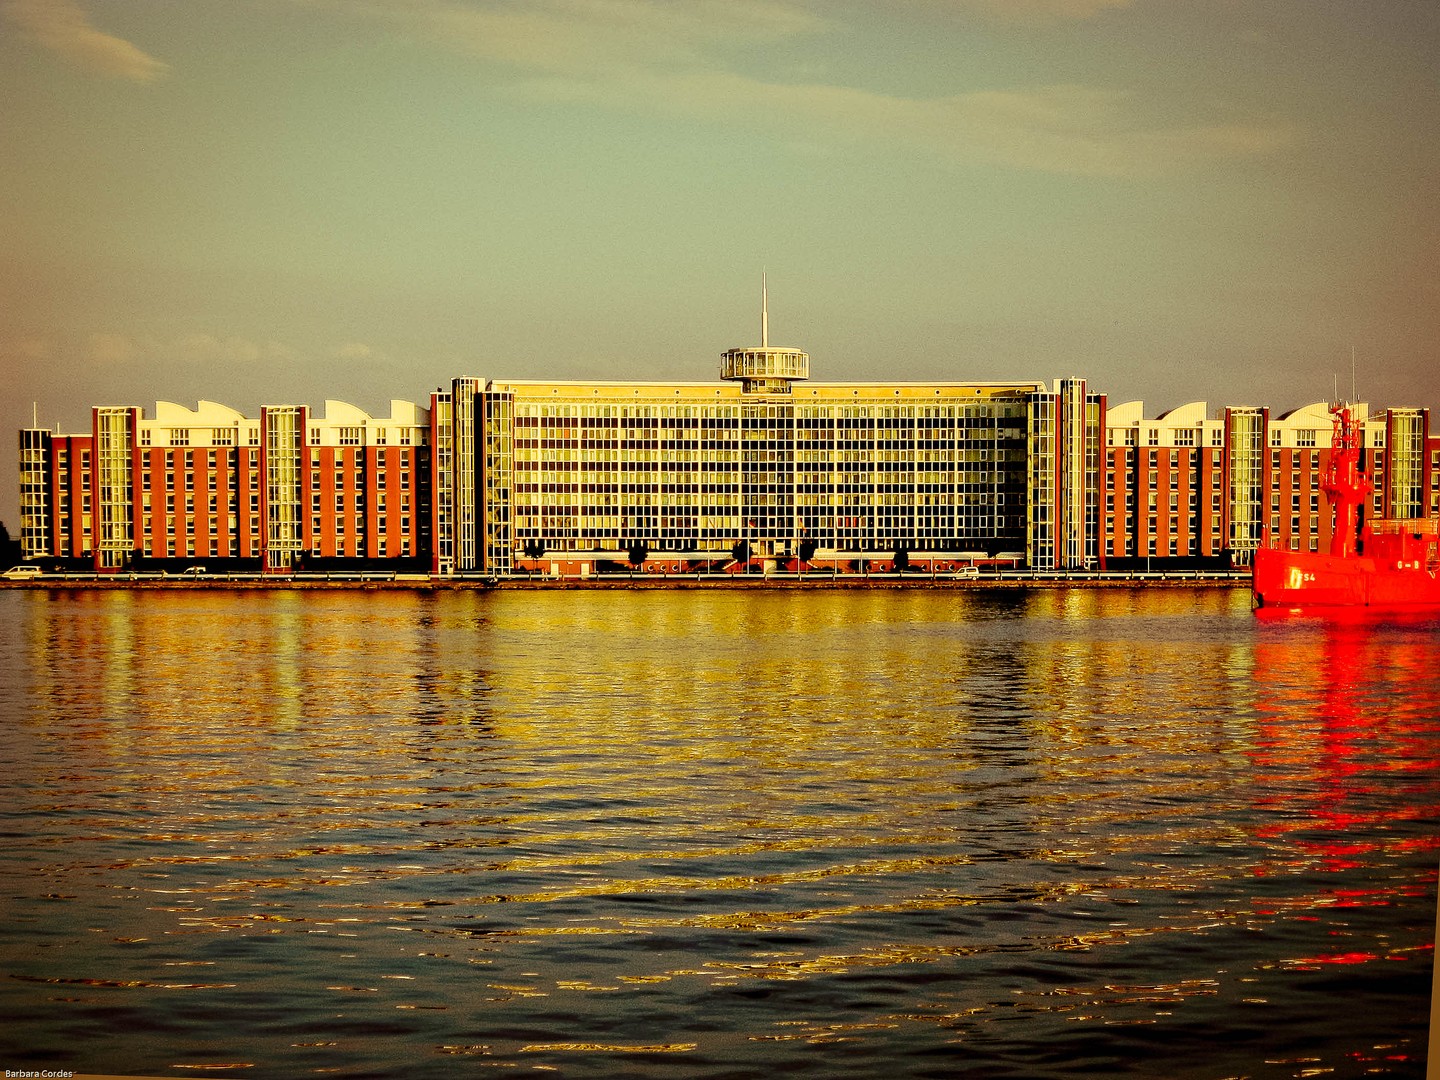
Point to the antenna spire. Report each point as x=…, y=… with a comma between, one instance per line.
x=764, y=311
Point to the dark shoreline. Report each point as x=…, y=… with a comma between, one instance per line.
x=876, y=581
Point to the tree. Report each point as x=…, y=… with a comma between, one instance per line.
x=9, y=549
x=638, y=550
x=534, y=549
x=902, y=560
x=741, y=551
x=806, y=549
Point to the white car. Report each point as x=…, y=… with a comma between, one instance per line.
x=20, y=573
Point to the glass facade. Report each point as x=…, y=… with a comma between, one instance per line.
x=442, y=435
x=35, y=494
x=284, y=432
x=497, y=411
x=1065, y=434
x=114, y=485
x=465, y=443
x=691, y=469
x=1405, y=464
x=1245, y=465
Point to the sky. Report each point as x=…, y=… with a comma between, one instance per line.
x=284, y=201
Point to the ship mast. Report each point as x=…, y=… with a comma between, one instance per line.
x=1345, y=484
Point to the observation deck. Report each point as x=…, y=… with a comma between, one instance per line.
x=764, y=369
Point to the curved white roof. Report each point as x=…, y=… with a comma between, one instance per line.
x=342, y=412
x=1188, y=415
x=1316, y=414
x=205, y=414
x=408, y=413
x=1125, y=414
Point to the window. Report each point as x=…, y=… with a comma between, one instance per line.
x=179, y=436
x=1305, y=437
x=351, y=436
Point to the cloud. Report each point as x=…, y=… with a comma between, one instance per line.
x=192, y=350
x=1037, y=12
x=111, y=349
x=1067, y=129
x=662, y=56
x=353, y=350
x=205, y=350
x=200, y=350
x=585, y=38
x=29, y=350
x=63, y=28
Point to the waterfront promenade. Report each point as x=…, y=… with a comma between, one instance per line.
x=1009, y=579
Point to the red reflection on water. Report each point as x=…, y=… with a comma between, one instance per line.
x=1346, y=705
x=1316, y=963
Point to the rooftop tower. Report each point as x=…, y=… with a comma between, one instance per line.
x=765, y=370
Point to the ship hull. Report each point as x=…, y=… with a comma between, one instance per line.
x=1308, y=579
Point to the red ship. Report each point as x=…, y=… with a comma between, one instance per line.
x=1396, y=563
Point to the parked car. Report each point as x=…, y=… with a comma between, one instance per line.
x=20, y=573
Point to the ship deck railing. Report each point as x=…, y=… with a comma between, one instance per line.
x=1401, y=526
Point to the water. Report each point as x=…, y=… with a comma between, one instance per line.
x=742, y=834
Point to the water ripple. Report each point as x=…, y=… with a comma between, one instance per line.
x=630, y=835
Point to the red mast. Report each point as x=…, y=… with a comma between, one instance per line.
x=1345, y=484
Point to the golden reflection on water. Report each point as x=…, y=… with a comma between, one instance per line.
x=599, y=796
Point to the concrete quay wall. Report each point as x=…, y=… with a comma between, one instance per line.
x=1015, y=580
